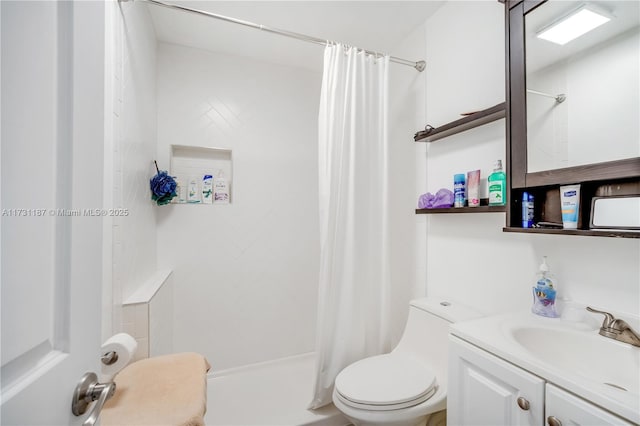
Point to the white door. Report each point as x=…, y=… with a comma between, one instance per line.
x=563, y=408
x=484, y=390
x=52, y=139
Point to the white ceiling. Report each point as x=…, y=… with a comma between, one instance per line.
x=375, y=25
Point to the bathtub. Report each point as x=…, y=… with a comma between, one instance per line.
x=269, y=393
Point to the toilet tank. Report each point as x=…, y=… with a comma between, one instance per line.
x=426, y=333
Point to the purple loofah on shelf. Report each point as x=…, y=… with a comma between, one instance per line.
x=441, y=200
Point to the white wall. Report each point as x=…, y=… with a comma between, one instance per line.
x=469, y=258
x=406, y=167
x=130, y=241
x=245, y=274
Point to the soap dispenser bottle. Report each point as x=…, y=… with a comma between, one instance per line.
x=544, y=292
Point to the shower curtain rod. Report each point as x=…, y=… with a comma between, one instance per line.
x=419, y=65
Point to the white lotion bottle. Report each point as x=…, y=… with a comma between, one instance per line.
x=181, y=190
x=207, y=189
x=221, y=189
x=192, y=191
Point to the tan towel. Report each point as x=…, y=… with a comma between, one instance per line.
x=160, y=391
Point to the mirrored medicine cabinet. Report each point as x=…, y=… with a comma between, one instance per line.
x=573, y=106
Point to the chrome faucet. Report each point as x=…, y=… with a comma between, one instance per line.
x=617, y=329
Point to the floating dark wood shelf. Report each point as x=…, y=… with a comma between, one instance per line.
x=469, y=122
x=484, y=207
x=479, y=209
x=583, y=232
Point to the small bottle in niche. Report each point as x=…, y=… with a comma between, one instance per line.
x=497, y=185
x=180, y=190
x=192, y=191
x=221, y=189
x=458, y=190
x=207, y=189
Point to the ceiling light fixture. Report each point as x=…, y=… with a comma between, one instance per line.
x=572, y=26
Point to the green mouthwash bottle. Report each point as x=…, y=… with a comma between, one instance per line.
x=497, y=185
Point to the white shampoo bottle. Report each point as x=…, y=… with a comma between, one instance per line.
x=207, y=189
x=192, y=191
x=221, y=189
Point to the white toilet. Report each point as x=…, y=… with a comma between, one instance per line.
x=407, y=387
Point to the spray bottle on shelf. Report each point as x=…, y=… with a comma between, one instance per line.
x=527, y=210
x=458, y=190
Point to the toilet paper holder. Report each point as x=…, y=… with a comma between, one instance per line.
x=109, y=358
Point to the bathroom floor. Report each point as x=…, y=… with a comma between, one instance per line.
x=271, y=393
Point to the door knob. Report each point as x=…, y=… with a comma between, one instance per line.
x=552, y=421
x=87, y=391
x=523, y=403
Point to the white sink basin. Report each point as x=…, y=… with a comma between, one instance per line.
x=587, y=354
x=569, y=354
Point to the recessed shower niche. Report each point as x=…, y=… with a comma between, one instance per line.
x=189, y=166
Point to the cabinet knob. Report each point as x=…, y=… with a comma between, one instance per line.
x=523, y=403
x=552, y=421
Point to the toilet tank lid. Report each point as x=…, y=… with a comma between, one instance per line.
x=446, y=309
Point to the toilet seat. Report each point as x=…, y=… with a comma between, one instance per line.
x=386, y=382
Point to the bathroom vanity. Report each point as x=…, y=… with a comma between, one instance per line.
x=520, y=369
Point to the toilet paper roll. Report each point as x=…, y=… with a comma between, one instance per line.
x=125, y=347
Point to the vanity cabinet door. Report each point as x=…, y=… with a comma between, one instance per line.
x=485, y=390
x=563, y=408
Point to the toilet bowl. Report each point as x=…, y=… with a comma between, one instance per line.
x=407, y=387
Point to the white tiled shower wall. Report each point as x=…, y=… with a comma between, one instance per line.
x=468, y=256
x=245, y=274
x=147, y=315
x=130, y=239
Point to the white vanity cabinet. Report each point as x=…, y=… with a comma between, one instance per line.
x=564, y=408
x=487, y=391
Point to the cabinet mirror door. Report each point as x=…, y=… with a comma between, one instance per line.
x=583, y=83
x=575, y=99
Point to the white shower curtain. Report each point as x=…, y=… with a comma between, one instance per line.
x=353, y=304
